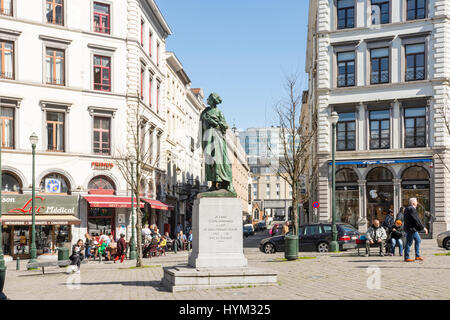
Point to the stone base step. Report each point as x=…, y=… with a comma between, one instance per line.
x=186, y=278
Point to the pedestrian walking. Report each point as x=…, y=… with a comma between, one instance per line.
x=401, y=214
x=88, y=245
x=121, y=249
x=286, y=228
x=413, y=226
x=274, y=230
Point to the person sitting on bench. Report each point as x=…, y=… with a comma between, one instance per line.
x=376, y=236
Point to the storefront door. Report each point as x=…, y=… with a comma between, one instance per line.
x=20, y=245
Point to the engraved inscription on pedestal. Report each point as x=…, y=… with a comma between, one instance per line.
x=217, y=233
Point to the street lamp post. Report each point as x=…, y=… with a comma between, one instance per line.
x=33, y=251
x=2, y=259
x=334, y=246
x=133, y=254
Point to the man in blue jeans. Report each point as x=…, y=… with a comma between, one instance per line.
x=413, y=226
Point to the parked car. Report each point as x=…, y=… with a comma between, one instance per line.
x=248, y=230
x=443, y=240
x=314, y=237
x=262, y=225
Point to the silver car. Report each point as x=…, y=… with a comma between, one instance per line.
x=443, y=240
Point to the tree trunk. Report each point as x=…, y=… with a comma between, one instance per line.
x=138, y=234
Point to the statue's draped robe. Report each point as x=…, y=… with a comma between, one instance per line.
x=217, y=165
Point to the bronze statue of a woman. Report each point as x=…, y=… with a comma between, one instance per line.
x=217, y=165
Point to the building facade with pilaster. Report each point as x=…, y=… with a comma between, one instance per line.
x=75, y=72
x=384, y=67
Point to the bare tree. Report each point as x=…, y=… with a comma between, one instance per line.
x=446, y=119
x=145, y=164
x=295, y=142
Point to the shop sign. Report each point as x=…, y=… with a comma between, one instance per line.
x=102, y=165
x=52, y=185
x=44, y=204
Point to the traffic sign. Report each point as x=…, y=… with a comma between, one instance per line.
x=316, y=204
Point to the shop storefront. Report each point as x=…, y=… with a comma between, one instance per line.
x=368, y=189
x=55, y=215
x=416, y=184
x=347, y=197
x=380, y=194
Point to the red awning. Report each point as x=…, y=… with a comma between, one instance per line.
x=155, y=204
x=111, y=202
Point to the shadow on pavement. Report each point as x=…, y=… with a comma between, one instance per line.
x=411, y=267
x=155, y=284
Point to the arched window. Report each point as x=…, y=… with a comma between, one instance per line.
x=380, y=194
x=10, y=182
x=379, y=175
x=346, y=175
x=101, y=183
x=415, y=173
x=416, y=184
x=55, y=183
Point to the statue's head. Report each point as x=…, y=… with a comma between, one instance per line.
x=214, y=99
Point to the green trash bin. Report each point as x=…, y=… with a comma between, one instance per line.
x=63, y=254
x=291, y=247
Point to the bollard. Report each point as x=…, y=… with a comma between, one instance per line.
x=189, y=246
x=100, y=258
x=18, y=263
x=175, y=247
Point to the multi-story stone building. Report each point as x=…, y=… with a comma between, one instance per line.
x=184, y=153
x=383, y=66
x=240, y=170
x=272, y=193
x=78, y=74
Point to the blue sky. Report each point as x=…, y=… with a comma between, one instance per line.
x=241, y=49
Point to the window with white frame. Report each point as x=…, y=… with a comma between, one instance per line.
x=55, y=65
x=7, y=126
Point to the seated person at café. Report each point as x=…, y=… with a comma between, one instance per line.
x=181, y=240
x=162, y=244
x=169, y=241
x=376, y=236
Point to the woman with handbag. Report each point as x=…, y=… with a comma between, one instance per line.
x=76, y=256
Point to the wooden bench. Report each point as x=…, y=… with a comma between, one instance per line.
x=362, y=245
x=44, y=264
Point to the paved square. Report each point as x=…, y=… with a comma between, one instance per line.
x=327, y=276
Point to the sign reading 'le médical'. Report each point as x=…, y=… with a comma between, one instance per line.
x=44, y=204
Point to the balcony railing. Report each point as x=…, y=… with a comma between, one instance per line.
x=6, y=11
x=57, y=20
x=59, y=82
x=6, y=75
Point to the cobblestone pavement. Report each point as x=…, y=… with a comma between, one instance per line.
x=327, y=276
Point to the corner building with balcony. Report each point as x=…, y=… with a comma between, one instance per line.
x=75, y=72
x=384, y=67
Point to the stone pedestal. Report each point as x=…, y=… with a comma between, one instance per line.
x=217, y=233
x=217, y=259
